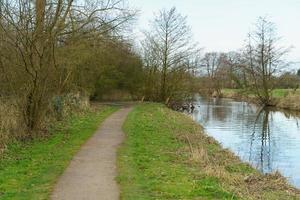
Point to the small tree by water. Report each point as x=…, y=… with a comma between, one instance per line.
x=264, y=58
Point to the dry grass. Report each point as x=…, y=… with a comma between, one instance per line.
x=291, y=101
x=12, y=126
x=117, y=95
x=9, y=122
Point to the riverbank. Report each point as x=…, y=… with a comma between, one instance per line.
x=30, y=170
x=168, y=156
x=283, y=98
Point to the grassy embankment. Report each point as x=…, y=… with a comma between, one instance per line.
x=167, y=156
x=30, y=170
x=283, y=98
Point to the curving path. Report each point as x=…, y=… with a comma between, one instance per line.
x=91, y=174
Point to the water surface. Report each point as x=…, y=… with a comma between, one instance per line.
x=268, y=139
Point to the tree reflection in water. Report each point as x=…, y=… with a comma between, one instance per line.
x=267, y=138
x=264, y=134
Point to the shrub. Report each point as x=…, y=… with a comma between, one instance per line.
x=66, y=105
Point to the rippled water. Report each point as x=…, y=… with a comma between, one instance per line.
x=268, y=139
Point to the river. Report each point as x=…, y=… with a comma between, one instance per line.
x=268, y=139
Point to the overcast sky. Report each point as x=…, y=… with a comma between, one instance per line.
x=222, y=25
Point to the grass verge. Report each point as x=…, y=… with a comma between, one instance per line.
x=30, y=170
x=167, y=156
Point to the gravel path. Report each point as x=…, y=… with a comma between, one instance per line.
x=91, y=174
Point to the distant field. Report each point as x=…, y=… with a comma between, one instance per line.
x=284, y=92
x=227, y=91
x=276, y=93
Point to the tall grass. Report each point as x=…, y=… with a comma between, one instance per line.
x=12, y=124
x=291, y=101
x=9, y=122
x=66, y=105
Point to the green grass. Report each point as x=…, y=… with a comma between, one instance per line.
x=280, y=93
x=30, y=170
x=167, y=156
x=230, y=91
x=149, y=166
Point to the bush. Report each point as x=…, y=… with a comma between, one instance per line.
x=11, y=123
x=66, y=105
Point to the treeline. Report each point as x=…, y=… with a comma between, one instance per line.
x=258, y=68
x=170, y=58
x=176, y=68
x=56, y=55
x=60, y=53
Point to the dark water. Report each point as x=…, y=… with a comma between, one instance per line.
x=268, y=139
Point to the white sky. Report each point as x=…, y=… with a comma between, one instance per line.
x=222, y=25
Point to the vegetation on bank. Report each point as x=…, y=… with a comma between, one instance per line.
x=29, y=170
x=282, y=98
x=167, y=156
x=277, y=93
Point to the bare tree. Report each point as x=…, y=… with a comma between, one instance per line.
x=212, y=63
x=32, y=32
x=169, y=46
x=234, y=64
x=264, y=59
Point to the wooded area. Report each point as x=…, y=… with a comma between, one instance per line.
x=58, y=51
x=56, y=55
x=169, y=118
